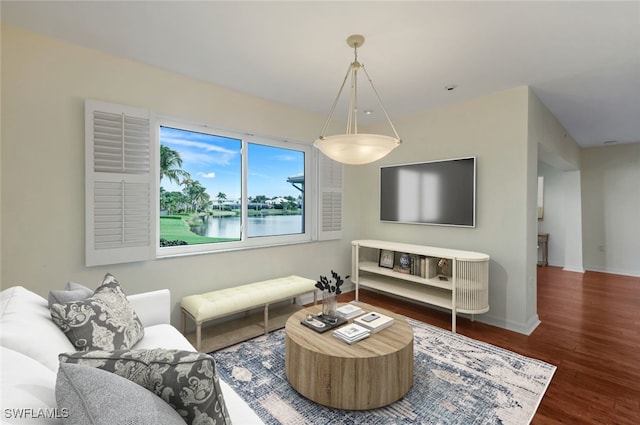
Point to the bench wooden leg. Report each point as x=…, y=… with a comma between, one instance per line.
x=198, y=335
x=184, y=323
x=266, y=319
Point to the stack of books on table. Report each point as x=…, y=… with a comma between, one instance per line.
x=349, y=311
x=351, y=333
x=374, y=322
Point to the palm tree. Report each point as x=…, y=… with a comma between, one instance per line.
x=170, y=163
x=221, y=197
x=197, y=194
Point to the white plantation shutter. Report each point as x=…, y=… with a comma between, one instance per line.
x=330, y=198
x=120, y=184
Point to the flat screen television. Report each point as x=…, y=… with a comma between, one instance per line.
x=436, y=192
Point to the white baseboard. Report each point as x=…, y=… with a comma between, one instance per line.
x=614, y=271
x=307, y=299
x=576, y=269
x=522, y=328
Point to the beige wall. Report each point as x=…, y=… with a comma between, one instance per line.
x=44, y=84
x=494, y=129
x=549, y=141
x=611, y=207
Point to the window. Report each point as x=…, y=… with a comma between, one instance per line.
x=275, y=188
x=221, y=190
x=158, y=188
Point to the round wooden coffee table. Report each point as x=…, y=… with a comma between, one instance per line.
x=371, y=373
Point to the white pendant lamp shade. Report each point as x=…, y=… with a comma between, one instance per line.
x=352, y=147
x=356, y=149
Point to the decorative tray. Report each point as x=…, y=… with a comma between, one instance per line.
x=318, y=321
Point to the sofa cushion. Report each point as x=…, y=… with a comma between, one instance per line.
x=163, y=336
x=184, y=379
x=26, y=388
x=90, y=396
x=26, y=327
x=104, y=321
x=71, y=292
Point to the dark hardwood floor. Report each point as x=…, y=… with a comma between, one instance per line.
x=590, y=330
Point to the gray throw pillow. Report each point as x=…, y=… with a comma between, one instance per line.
x=104, y=321
x=90, y=396
x=184, y=379
x=71, y=292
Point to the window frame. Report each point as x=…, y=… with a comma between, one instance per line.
x=245, y=242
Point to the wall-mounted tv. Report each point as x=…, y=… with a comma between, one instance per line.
x=436, y=192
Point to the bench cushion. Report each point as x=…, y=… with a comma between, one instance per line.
x=227, y=301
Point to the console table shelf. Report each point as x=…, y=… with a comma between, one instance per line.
x=465, y=288
x=369, y=266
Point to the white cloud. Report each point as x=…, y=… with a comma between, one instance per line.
x=207, y=147
x=285, y=157
x=210, y=175
x=200, y=152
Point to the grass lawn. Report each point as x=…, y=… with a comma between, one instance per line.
x=175, y=227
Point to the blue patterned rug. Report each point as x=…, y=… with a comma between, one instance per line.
x=457, y=380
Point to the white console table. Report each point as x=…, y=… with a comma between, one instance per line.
x=462, y=287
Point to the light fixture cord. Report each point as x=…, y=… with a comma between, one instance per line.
x=352, y=117
x=380, y=103
x=335, y=102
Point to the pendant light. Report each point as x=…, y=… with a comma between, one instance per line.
x=353, y=147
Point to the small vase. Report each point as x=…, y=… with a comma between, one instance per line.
x=329, y=306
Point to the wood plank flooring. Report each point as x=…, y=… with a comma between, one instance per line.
x=590, y=330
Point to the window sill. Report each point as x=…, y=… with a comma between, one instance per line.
x=163, y=255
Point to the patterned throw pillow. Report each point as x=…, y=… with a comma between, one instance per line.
x=104, y=321
x=186, y=380
x=71, y=292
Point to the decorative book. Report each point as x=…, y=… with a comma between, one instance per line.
x=374, y=322
x=351, y=333
x=349, y=311
x=354, y=340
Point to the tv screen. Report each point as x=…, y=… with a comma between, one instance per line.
x=436, y=192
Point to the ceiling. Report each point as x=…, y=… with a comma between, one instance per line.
x=582, y=59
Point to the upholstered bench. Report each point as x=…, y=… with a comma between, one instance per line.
x=213, y=305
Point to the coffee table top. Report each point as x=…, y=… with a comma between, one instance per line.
x=382, y=343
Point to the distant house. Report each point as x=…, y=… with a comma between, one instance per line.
x=275, y=201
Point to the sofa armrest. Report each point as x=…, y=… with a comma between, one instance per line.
x=152, y=308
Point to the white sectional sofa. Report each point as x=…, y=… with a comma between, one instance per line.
x=30, y=343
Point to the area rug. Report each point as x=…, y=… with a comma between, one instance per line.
x=457, y=380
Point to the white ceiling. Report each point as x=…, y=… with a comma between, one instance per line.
x=582, y=59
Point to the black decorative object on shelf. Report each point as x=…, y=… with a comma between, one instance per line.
x=405, y=261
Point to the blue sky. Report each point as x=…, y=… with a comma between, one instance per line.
x=215, y=162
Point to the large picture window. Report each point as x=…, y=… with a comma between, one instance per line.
x=220, y=190
x=157, y=188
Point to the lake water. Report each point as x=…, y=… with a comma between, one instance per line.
x=229, y=227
